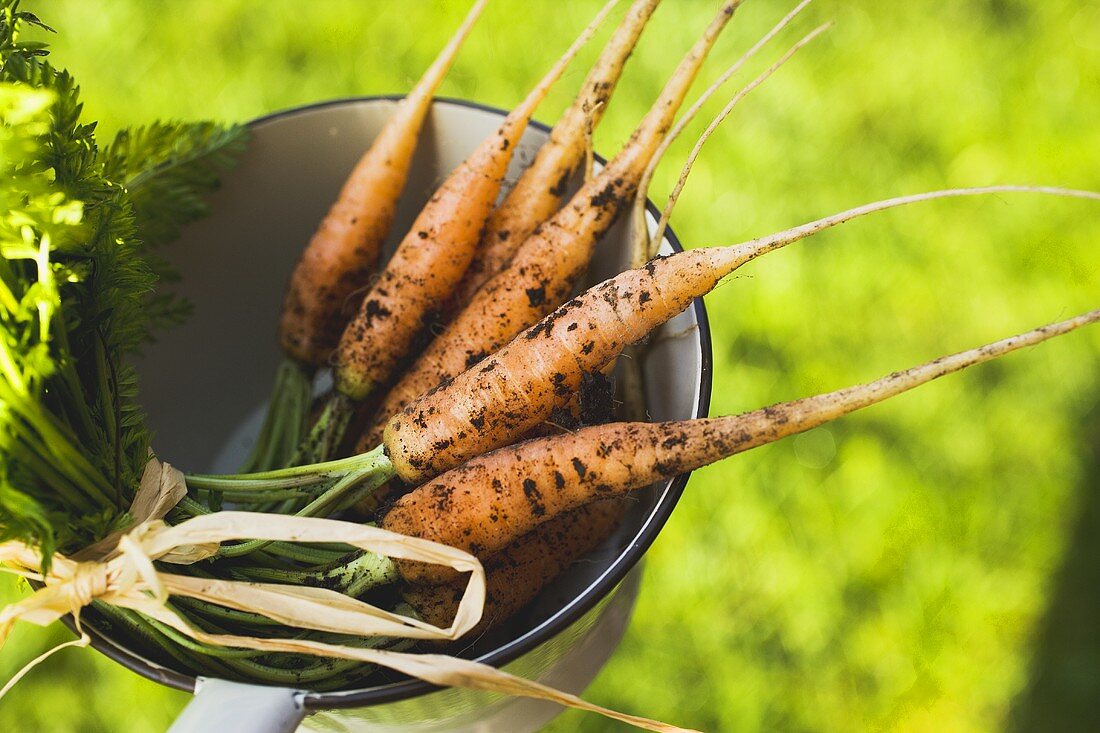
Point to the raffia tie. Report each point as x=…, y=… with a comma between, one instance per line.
x=120, y=570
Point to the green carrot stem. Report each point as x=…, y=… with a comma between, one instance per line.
x=376, y=460
x=344, y=493
x=316, y=670
x=302, y=553
x=277, y=667
x=195, y=656
x=346, y=673
x=188, y=508
x=365, y=571
x=328, y=431
x=208, y=650
x=230, y=483
x=213, y=610
x=253, y=498
x=138, y=626
x=286, y=420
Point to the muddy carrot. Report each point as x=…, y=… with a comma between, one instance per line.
x=427, y=265
x=436, y=251
x=538, y=192
x=500, y=398
x=519, y=572
x=344, y=251
x=548, y=265
x=487, y=503
x=340, y=258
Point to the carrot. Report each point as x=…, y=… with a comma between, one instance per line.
x=487, y=503
x=437, y=250
x=548, y=265
x=538, y=192
x=340, y=258
x=427, y=265
x=344, y=251
x=516, y=574
x=506, y=394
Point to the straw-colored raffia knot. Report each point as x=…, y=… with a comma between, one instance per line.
x=88, y=583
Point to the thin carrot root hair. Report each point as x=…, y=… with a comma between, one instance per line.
x=532, y=483
x=640, y=237
x=763, y=245
x=499, y=399
x=589, y=149
x=674, y=196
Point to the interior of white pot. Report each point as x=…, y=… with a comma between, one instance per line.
x=204, y=384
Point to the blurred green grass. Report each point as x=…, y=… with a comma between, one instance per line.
x=890, y=571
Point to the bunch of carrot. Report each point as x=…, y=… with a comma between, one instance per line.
x=469, y=338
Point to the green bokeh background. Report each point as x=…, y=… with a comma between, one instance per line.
x=929, y=564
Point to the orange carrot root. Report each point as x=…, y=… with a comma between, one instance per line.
x=486, y=503
x=550, y=263
x=503, y=396
x=538, y=192
x=516, y=574
x=430, y=261
x=344, y=251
